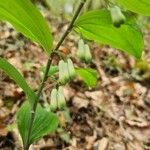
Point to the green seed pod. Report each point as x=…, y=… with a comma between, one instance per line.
x=53, y=102
x=61, y=98
x=63, y=72
x=71, y=69
x=117, y=16
x=81, y=50
x=88, y=56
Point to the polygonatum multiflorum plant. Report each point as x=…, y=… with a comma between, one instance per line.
x=115, y=26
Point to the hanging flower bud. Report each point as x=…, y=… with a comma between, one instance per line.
x=61, y=98
x=71, y=69
x=117, y=16
x=88, y=56
x=81, y=50
x=63, y=72
x=84, y=52
x=53, y=101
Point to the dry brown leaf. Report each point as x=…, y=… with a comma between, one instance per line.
x=4, y=35
x=90, y=140
x=138, y=122
x=98, y=99
x=103, y=144
x=62, y=120
x=68, y=92
x=3, y=131
x=134, y=146
x=119, y=146
x=80, y=102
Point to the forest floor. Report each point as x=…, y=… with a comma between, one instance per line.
x=114, y=115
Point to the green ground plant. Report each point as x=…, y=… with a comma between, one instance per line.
x=112, y=26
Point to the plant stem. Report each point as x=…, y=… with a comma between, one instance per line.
x=33, y=109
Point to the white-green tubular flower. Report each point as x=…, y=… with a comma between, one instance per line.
x=63, y=72
x=61, y=98
x=81, y=50
x=53, y=100
x=117, y=16
x=88, y=56
x=84, y=52
x=71, y=69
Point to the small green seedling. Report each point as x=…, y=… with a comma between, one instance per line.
x=141, y=71
x=112, y=27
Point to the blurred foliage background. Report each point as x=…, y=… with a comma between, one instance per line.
x=68, y=6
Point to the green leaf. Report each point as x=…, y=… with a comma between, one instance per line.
x=26, y=19
x=44, y=123
x=88, y=75
x=17, y=77
x=98, y=26
x=138, y=6
x=52, y=70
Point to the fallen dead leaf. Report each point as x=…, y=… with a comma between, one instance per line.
x=80, y=102
x=134, y=146
x=137, y=122
x=98, y=99
x=3, y=130
x=102, y=144
x=90, y=140
x=119, y=146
